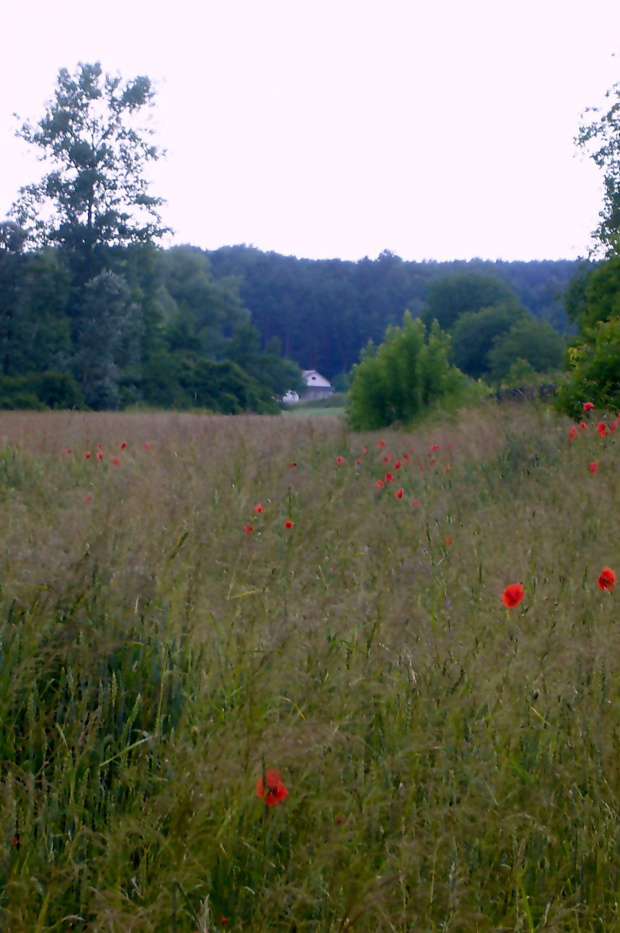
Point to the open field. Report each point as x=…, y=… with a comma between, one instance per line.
x=451, y=764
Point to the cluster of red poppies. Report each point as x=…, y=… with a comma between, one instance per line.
x=259, y=510
x=99, y=455
x=602, y=427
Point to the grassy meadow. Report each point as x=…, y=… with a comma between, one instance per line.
x=451, y=764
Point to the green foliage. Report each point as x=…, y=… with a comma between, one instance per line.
x=475, y=333
x=594, y=371
x=594, y=294
x=103, y=310
x=521, y=373
x=529, y=340
x=269, y=368
x=207, y=310
x=341, y=382
x=325, y=311
x=36, y=391
x=451, y=296
x=400, y=379
x=58, y=390
x=18, y=393
x=225, y=388
x=96, y=195
x=601, y=140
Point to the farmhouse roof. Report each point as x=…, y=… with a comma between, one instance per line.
x=313, y=378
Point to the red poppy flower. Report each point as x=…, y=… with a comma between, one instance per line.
x=292, y=465
x=421, y=468
x=593, y=467
x=572, y=434
x=406, y=458
x=116, y=461
x=276, y=791
x=87, y=454
x=99, y=446
x=15, y=841
x=434, y=447
x=601, y=428
x=432, y=461
x=448, y=540
x=380, y=443
x=259, y=508
x=339, y=460
x=387, y=458
x=583, y=426
x=447, y=468
x=147, y=446
x=88, y=497
x=513, y=595
x=588, y=406
x=122, y=445
x=288, y=523
x=248, y=529
x=389, y=478
x=364, y=450
x=99, y=455
x=399, y=493
x=607, y=579
x=613, y=426
x=68, y=450
x=411, y=450
x=397, y=464
x=380, y=484
x=358, y=461
x=415, y=503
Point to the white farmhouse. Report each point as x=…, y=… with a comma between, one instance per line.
x=317, y=386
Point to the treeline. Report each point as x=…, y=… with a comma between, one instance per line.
x=325, y=311
x=149, y=326
x=228, y=330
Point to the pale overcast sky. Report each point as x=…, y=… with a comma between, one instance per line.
x=437, y=129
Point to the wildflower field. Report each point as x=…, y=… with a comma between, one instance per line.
x=264, y=674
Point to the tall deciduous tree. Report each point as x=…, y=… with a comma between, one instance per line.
x=95, y=195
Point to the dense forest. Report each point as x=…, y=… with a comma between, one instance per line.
x=181, y=327
x=325, y=311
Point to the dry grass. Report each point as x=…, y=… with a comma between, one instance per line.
x=451, y=765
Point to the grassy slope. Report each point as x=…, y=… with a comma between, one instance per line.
x=451, y=764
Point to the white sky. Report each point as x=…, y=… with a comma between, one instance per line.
x=438, y=129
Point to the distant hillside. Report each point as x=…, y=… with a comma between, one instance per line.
x=325, y=311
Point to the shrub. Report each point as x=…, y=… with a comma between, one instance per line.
x=594, y=371
x=404, y=376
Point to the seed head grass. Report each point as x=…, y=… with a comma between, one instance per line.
x=434, y=759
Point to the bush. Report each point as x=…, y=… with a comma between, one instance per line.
x=594, y=374
x=59, y=390
x=408, y=373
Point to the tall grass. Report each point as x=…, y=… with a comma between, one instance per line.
x=451, y=764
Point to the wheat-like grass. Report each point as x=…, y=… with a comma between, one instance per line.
x=451, y=764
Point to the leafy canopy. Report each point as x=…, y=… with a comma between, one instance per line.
x=406, y=374
x=453, y=295
x=95, y=193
